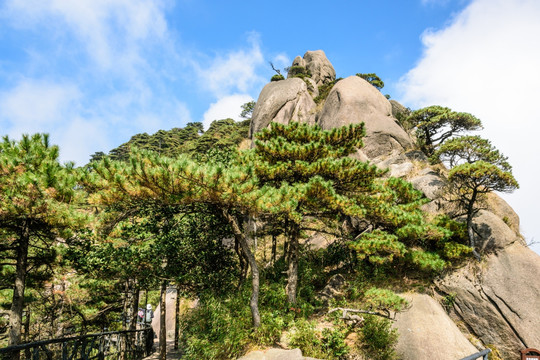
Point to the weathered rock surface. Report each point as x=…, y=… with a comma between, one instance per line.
x=429, y=182
x=398, y=109
x=426, y=332
x=276, y=354
x=492, y=233
x=354, y=100
x=319, y=66
x=499, y=300
x=499, y=207
x=283, y=101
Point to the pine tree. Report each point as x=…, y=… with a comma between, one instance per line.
x=321, y=181
x=478, y=168
x=149, y=178
x=435, y=124
x=39, y=202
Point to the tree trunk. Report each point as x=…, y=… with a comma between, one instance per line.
x=125, y=306
x=17, y=304
x=240, y=236
x=274, y=248
x=243, y=263
x=134, y=305
x=162, y=319
x=292, y=280
x=177, y=319
x=470, y=230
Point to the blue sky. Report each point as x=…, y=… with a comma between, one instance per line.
x=92, y=73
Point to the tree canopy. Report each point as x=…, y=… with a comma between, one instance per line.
x=477, y=168
x=435, y=124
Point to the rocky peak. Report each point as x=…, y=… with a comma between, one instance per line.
x=497, y=301
x=318, y=65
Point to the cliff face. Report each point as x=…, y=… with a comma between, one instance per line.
x=495, y=302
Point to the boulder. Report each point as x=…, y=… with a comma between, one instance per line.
x=427, y=332
x=354, y=100
x=397, y=166
x=430, y=183
x=299, y=61
x=498, y=300
x=332, y=290
x=398, y=109
x=322, y=71
x=492, y=232
x=499, y=207
x=283, y=101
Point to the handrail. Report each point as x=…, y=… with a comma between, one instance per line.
x=484, y=353
x=125, y=345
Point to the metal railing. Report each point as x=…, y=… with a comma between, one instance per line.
x=114, y=345
x=484, y=354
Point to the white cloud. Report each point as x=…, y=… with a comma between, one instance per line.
x=111, y=30
x=486, y=63
x=281, y=61
x=234, y=72
x=34, y=106
x=226, y=107
x=82, y=137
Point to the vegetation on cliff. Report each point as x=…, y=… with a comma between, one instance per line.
x=199, y=210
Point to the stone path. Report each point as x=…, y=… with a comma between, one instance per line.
x=171, y=353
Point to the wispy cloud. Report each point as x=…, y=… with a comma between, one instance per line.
x=33, y=106
x=112, y=31
x=225, y=107
x=233, y=72
x=95, y=72
x=486, y=63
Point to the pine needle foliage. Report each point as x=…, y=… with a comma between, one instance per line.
x=39, y=202
x=322, y=181
x=435, y=124
x=478, y=168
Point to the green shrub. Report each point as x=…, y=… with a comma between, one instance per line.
x=299, y=71
x=384, y=299
x=334, y=343
x=277, y=77
x=324, y=90
x=217, y=329
x=306, y=338
x=328, y=344
x=378, y=338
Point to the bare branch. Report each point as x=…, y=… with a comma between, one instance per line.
x=273, y=68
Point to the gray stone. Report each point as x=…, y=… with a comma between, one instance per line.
x=312, y=87
x=299, y=61
x=332, y=288
x=398, y=109
x=398, y=166
x=319, y=66
x=426, y=332
x=283, y=101
x=319, y=241
x=430, y=183
x=416, y=155
x=353, y=100
x=499, y=300
x=400, y=170
x=499, y=207
x=492, y=233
